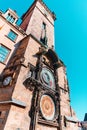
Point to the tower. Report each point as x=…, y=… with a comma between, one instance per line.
x=34, y=94
x=39, y=17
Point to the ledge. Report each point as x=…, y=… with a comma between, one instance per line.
x=14, y=102
x=10, y=39
x=71, y=119
x=2, y=63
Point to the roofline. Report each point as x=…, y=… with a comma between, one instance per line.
x=13, y=11
x=45, y=6
x=15, y=26
x=27, y=10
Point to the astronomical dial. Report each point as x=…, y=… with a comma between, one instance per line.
x=7, y=80
x=47, y=78
x=47, y=107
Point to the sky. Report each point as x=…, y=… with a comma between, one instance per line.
x=70, y=43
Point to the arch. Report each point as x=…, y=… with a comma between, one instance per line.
x=53, y=56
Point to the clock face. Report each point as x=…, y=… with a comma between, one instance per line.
x=47, y=107
x=7, y=80
x=47, y=78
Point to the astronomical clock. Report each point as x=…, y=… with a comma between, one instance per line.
x=48, y=98
x=44, y=81
x=47, y=78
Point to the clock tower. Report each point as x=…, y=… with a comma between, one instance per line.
x=39, y=17
x=34, y=94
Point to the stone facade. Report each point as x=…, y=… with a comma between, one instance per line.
x=5, y=27
x=34, y=90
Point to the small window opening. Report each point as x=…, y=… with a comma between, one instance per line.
x=43, y=38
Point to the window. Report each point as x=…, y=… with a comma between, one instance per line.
x=43, y=38
x=4, y=52
x=43, y=26
x=12, y=35
x=10, y=18
x=65, y=122
x=0, y=113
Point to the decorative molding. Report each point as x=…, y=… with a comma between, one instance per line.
x=14, y=102
x=71, y=119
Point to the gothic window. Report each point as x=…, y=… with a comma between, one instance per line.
x=0, y=113
x=43, y=26
x=65, y=123
x=43, y=38
x=4, y=52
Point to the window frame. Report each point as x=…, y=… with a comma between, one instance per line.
x=6, y=57
x=10, y=37
x=44, y=26
x=10, y=18
x=44, y=39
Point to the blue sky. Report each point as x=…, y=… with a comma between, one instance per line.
x=70, y=42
